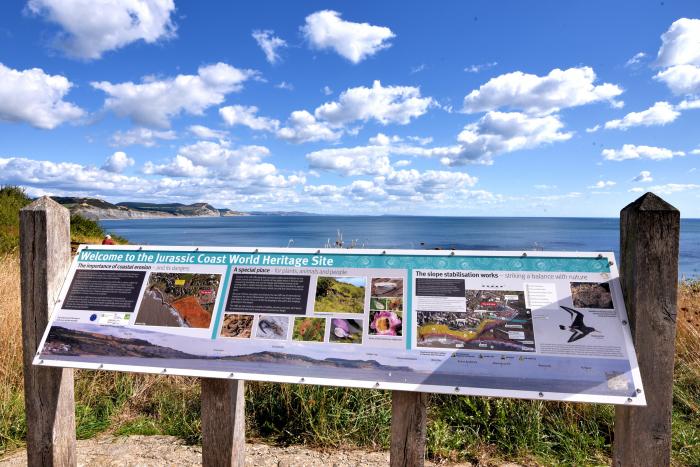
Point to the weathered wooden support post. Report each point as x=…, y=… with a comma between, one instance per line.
x=408, y=420
x=48, y=392
x=223, y=423
x=649, y=245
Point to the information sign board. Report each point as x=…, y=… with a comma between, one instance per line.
x=538, y=325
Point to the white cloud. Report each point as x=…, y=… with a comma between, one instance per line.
x=632, y=151
x=418, y=69
x=636, y=190
x=269, y=43
x=636, y=59
x=179, y=166
x=660, y=113
x=390, y=104
x=143, y=136
x=541, y=94
x=680, y=44
x=361, y=160
x=680, y=56
x=402, y=163
x=644, y=177
x=285, y=85
x=671, y=188
x=246, y=116
x=420, y=140
x=601, y=184
x=545, y=187
x=154, y=102
x=593, y=129
x=689, y=104
x=91, y=28
x=302, y=127
x=502, y=132
x=480, y=67
x=681, y=79
x=118, y=162
x=50, y=175
x=327, y=90
x=355, y=41
x=217, y=154
x=380, y=139
x=36, y=98
x=204, y=132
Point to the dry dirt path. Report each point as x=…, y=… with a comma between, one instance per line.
x=115, y=451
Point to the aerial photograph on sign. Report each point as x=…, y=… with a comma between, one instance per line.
x=179, y=300
x=493, y=320
x=340, y=294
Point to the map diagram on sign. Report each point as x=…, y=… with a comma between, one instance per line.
x=179, y=300
x=492, y=320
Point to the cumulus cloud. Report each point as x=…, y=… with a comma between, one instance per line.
x=90, y=28
x=154, y=102
x=385, y=104
x=355, y=41
x=632, y=151
x=360, y=160
x=201, y=131
x=34, y=97
x=601, y=184
x=246, y=116
x=534, y=94
x=179, y=166
x=502, y=132
x=303, y=127
x=679, y=55
x=118, y=162
x=143, y=136
x=643, y=177
x=69, y=176
x=660, y=113
x=681, y=79
x=269, y=43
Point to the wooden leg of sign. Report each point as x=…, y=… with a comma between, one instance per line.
x=649, y=239
x=408, y=418
x=223, y=422
x=48, y=392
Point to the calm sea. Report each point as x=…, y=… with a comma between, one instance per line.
x=467, y=233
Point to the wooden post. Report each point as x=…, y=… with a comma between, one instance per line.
x=408, y=418
x=223, y=422
x=649, y=244
x=48, y=392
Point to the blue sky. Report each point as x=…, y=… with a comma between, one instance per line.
x=457, y=108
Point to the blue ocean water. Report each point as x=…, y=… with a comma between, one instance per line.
x=420, y=232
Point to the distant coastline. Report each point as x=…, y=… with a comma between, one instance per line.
x=100, y=210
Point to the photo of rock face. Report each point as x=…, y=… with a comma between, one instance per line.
x=592, y=295
x=387, y=287
x=272, y=327
x=236, y=325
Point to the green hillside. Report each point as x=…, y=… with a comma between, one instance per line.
x=338, y=297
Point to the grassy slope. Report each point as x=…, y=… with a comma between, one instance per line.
x=341, y=297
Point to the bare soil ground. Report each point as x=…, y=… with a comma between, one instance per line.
x=115, y=451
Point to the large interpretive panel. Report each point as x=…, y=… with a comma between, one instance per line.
x=512, y=324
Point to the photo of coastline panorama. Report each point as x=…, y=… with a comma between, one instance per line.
x=179, y=300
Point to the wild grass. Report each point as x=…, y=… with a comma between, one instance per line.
x=459, y=428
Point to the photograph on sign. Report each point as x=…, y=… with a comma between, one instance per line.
x=551, y=326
